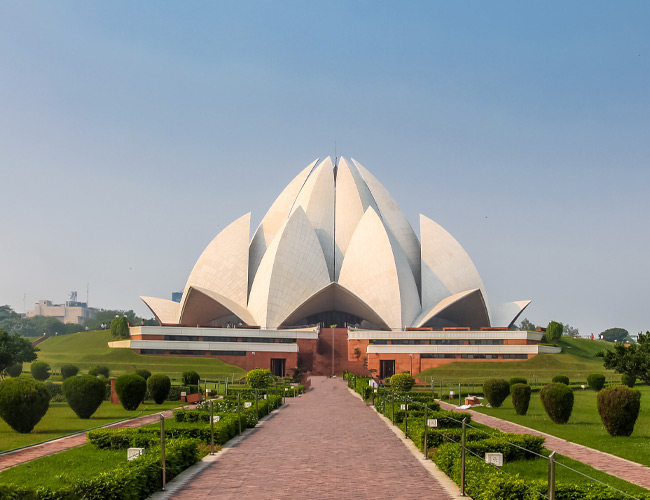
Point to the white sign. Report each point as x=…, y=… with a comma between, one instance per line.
x=183, y=394
x=265, y=397
x=451, y=394
x=248, y=404
x=494, y=459
x=208, y=391
x=402, y=407
x=432, y=422
x=216, y=418
x=133, y=453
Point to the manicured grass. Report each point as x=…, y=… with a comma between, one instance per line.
x=577, y=360
x=584, y=426
x=538, y=469
x=64, y=468
x=88, y=349
x=60, y=420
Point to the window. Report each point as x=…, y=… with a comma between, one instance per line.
x=515, y=356
x=486, y=341
x=187, y=338
x=228, y=353
x=407, y=342
x=152, y=351
x=447, y=341
x=188, y=352
x=430, y=355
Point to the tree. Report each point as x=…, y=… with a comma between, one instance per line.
x=259, y=378
x=569, y=331
x=14, y=349
x=120, y=327
x=402, y=382
x=527, y=325
x=106, y=316
x=633, y=360
x=554, y=331
x=615, y=334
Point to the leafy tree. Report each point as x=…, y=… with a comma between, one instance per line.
x=130, y=389
x=496, y=391
x=159, y=386
x=23, y=402
x=615, y=334
x=14, y=349
x=569, y=331
x=14, y=370
x=554, y=331
x=633, y=360
x=619, y=408
x=40, y=370
x=259, y=378
x=107, y=315
x=402, y=382
x=628, y=380
x=120, y=328
x=84, y=394
x=527, y=325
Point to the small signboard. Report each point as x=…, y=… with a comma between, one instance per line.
x=265, y=396
x=432, y=422
x=494, y=459
x=248, y=404
x=452, y=394
x=183, y=394
x=133, y=453
x=216, y=418
x=403, y=407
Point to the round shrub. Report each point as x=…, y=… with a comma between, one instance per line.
x=54, y=390
x=520, y=397
x=517, y=380
x=23, y=402
x=628, y=380
x=40, y=370
x=100, y=370
x=558, y=402
x=145, y=374
x=259, y=378
x=159, y=386
x=190, y=378
x=596, y=381
x=84, y=394
x=14, y=370
x=496, y=391
x=402, y=382
x=68, y=371
x=131, y=390
x=619, y=408
x=561, y=379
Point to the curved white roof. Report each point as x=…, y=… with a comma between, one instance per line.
x=335, y=240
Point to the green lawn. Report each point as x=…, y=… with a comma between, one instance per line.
x=577, y=360
x=88, y=349
x=60, y=420
x=64, y=468
x=584, y=426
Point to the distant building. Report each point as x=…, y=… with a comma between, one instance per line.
x=70, y=312
x=177, y=296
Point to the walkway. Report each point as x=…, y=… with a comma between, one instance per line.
x=51, y=447
x=326, y=444
x=625, y=469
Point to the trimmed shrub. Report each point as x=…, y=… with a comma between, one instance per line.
x=84, y=394
x=40, y=370
x=259, y=378
x=100, y=370
x=402, y=382
x=14, y=370
x=23, y=402
x=145, y=374
x=561, y=379
x=628, y=380
x=496, y=391
x=191, y=378
x=68, y=371
x=618, y=408
x=55, y=391
x=517, y=380
x=131, y=390
x=558, y=402
x=596, y=381
x=520, y=397
x=159, y=386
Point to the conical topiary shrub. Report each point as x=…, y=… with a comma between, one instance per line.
x=520, y=397
x=496, y=391
x=558, y=402
x=131, y=390
x=619, y=408
x=596, y=381
x=84, y=394
x=159, y=386
x=23, y=402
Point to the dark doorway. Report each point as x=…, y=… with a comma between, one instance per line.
x=278, y=366
x=386, y=368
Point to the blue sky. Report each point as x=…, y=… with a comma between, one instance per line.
x=131, y=133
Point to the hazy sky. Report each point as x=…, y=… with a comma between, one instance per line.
x=131, y=133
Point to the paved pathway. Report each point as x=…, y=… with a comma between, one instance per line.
x=51, y=447
x=326, y=444
x=625, y=469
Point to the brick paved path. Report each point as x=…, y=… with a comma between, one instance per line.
x=51, y=447
x=625, y=469
x=326, y=444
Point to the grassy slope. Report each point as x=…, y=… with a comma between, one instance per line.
x=88, y=349
x=577, y=360
x=60, y=420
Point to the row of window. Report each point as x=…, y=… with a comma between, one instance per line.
x=435, y=355
x=190, y=352
x=438, y=342
x=257, y=340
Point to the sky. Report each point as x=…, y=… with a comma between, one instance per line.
x=131, y=133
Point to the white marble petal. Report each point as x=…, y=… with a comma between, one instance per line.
x=506, y=314
x=165, y=311
x=203, y=306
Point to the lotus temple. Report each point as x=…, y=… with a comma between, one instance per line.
x=335, y=278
